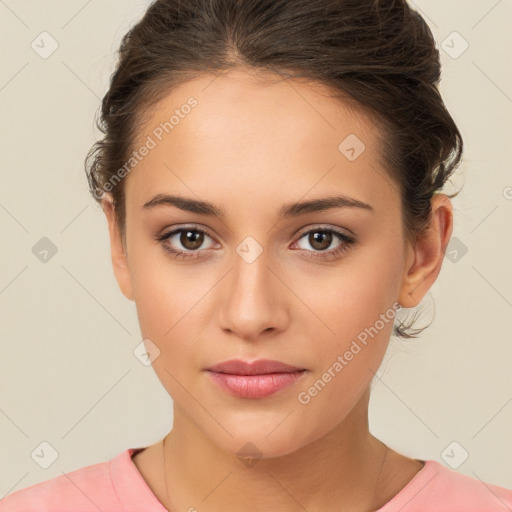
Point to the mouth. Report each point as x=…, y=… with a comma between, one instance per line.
x=256, y=379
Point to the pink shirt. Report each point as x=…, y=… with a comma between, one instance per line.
x=117, y=485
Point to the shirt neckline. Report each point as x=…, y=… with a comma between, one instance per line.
x=415, y=485
x=133, y=490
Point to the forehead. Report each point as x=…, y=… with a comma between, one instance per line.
x=256, y=133
x=259, y=101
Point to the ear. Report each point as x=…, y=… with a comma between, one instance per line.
x=117, y=249
x=426, y=257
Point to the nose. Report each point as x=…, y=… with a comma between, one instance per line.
x=253, y=303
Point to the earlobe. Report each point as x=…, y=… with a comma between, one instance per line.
x=426, y=257
x=117, y=249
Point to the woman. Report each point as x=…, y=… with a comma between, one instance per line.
x=270, y=174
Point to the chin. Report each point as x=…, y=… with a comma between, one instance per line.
x=256, y=439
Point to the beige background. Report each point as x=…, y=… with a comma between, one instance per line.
x=68, y=375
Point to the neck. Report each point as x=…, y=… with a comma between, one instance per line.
x=340, y=471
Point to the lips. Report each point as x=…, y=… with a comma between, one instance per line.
x=259, y=367
x=257, y=379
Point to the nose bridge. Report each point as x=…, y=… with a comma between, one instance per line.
x=252, y=303
x=251, y=267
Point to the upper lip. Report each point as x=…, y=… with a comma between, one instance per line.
x=259, y=367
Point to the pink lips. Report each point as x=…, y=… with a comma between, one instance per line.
x=254, y=380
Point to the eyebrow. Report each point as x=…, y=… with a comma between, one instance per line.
x=286, y=211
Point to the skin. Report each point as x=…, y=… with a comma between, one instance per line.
x=252, y=144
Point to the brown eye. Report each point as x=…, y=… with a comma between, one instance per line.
x=320, y=240
x=191, y=239
x=185, y=243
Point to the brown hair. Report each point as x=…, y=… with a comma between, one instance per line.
x=378, y=53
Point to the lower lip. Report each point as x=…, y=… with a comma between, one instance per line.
x=255, y=386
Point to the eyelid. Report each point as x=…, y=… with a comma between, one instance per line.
x=192, y=227
x=325, y=227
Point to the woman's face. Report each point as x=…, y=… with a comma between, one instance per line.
x=257, y=284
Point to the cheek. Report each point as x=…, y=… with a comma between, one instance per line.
x=171, y=301
x=357, y=306
x=169, y=313
x=358, y=309
x=165, y=293
x=353, y=297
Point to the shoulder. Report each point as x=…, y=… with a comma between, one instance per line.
x=437, y=488
x=88, y=488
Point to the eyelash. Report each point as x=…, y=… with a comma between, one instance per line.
x=347, y=242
